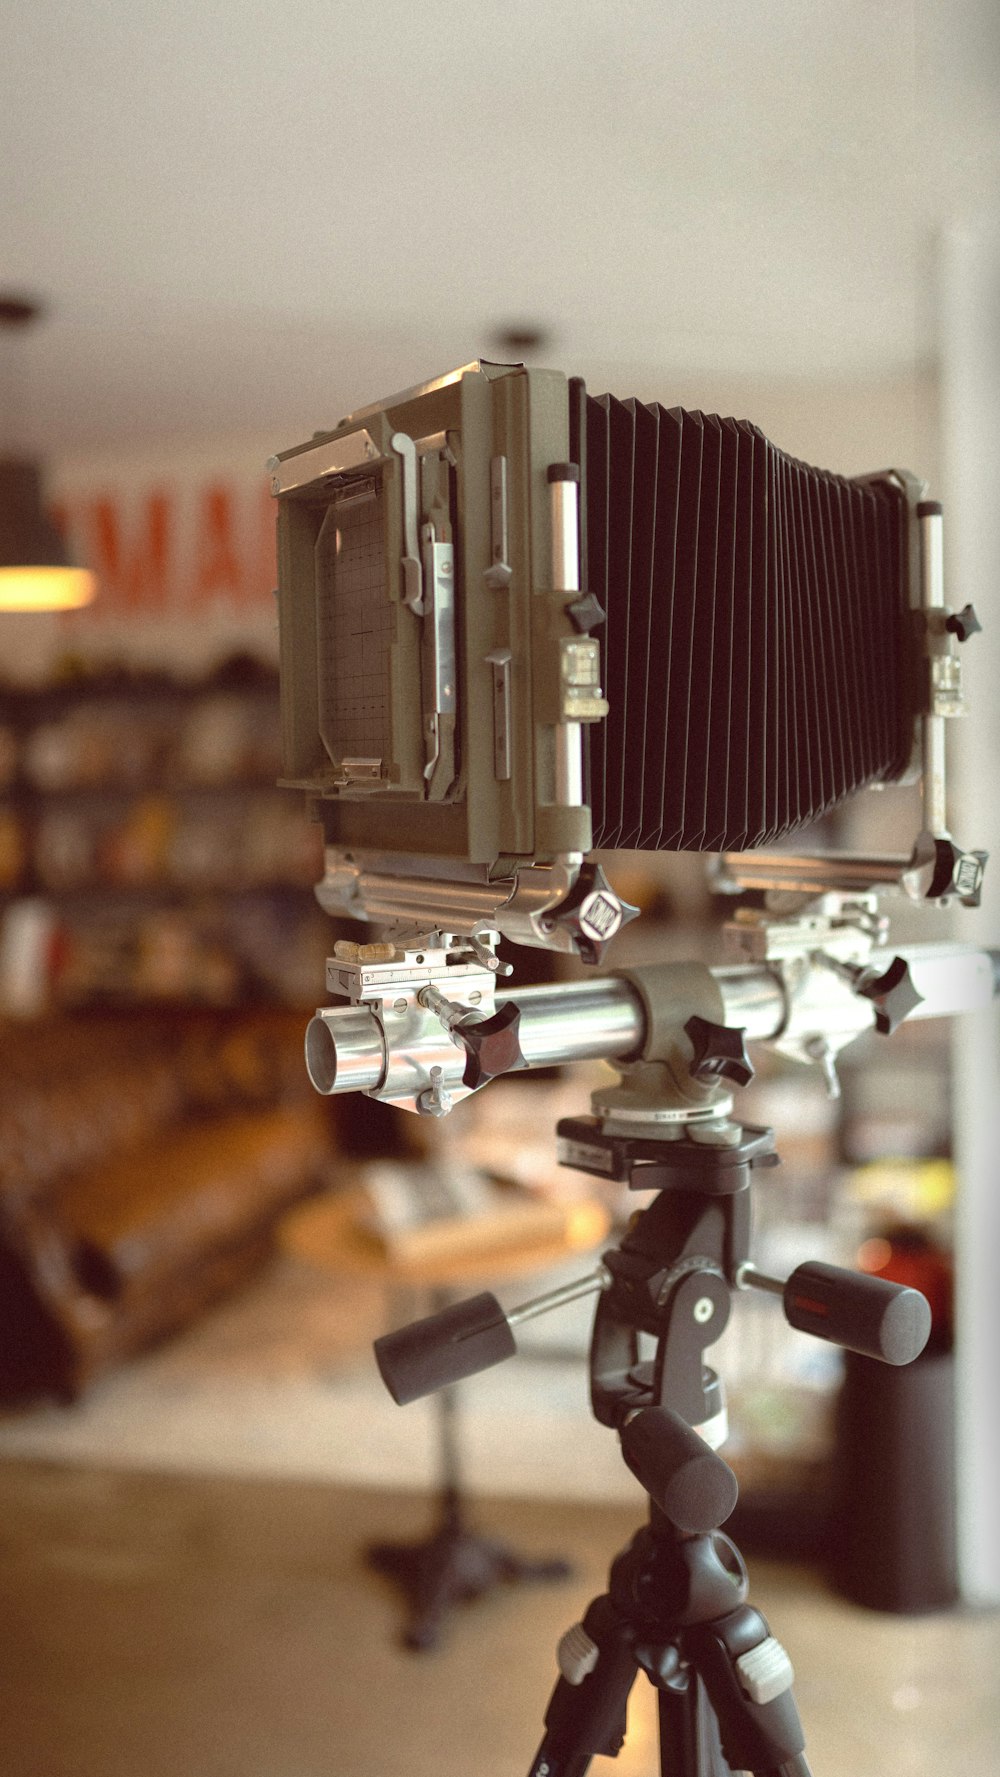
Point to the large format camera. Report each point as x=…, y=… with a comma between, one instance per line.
x=520, y=623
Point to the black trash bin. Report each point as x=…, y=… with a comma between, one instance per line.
x=893, y=1544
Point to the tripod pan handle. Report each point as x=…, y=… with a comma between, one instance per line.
x=866, y=1314
x=461, y=1340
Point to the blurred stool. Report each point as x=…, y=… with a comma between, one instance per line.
x=454, y=1564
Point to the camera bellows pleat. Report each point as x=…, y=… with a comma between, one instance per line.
x=755, y=647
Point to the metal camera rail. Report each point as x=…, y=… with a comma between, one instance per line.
x=390, y=1037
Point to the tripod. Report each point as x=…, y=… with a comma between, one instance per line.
x=675, y=1609
x=676, y=1606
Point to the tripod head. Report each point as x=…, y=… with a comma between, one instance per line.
x=672, y=1277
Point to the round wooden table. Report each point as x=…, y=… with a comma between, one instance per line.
x=335, y=1233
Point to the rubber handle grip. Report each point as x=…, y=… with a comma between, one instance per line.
x=865, y=1314
x=459, y=1341
x=692, y=1486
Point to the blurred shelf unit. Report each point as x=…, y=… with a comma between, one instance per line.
x=146, y=853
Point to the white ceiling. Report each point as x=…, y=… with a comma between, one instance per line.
x=251, y=216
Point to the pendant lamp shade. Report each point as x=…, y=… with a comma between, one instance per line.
x=35, y=571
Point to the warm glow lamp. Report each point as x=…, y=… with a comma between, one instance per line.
x=35, y=571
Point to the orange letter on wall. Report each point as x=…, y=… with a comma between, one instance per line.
x=217, y=564
x=135, y=581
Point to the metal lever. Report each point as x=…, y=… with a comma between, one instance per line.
x=413, y=583
x=892, y=991
x=880, y=1319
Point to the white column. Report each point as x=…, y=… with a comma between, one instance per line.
x=970, y=428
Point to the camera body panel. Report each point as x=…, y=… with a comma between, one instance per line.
x=423, y=642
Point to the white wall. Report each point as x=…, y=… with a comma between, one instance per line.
x=970, y=353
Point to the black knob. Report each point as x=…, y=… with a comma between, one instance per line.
x=592, y=913
x=893, y=995
x=586, y=612
x=461, y=1340
x=956, y=872
x=719, y=1053
x=963, y=623
x=492, y=1045
x=866, y=1314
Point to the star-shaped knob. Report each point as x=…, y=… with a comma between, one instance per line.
x=893, y=995
x=492, y=1045
x=719, y=1053
x=592, y=914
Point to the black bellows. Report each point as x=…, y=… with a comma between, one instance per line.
x=756, y=644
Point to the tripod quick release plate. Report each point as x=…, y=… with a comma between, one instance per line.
x=648, y=1163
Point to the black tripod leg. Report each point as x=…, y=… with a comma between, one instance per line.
x=689, y=1732
x=748, y=1678
x=588, y=1717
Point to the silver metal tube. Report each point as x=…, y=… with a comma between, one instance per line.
x=567, y=1292
x=953, y=978
x=345, y=1051
x=569, y=765
x=749, y=1278
x=934, y=767
x=931, y=556
x=754, y=1000
x=600, y=1019
x=565, y=502
x=565, y=496
x=816, y=875
x=603, y=1018
x=425, y=901
x=934, y=775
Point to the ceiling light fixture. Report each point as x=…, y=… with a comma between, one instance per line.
x=522, y=337
x=36, y=573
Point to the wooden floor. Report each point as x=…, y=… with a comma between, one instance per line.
x=170, y=1627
